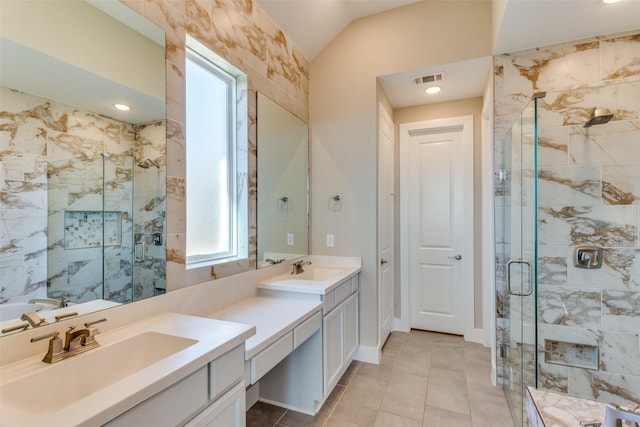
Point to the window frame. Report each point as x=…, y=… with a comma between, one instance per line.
x=235, y=82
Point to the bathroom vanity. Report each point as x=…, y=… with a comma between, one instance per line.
x=166, y=370
x=307, y=332
x=335, y=284
x=188, y=357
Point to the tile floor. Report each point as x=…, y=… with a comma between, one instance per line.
x=425, y=379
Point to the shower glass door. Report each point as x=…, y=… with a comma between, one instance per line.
x=516, y=251
x=90, y=228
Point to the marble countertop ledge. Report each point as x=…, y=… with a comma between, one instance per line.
x=561, y=410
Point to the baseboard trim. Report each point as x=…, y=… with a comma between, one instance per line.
x=401, y=324
x=477, y=336
x=368, y=354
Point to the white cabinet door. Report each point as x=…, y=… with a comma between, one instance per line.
x=228, y=411
x=170, y=407
x=350, y=327
x=333, y=346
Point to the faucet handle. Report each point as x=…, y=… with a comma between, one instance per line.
x=55, y=353
x=91, y=337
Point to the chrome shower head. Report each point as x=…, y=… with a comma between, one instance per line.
x=148, y=163
x=599, y=116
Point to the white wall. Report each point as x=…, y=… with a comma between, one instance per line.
x=343, y=117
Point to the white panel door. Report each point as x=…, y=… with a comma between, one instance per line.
x=438, y=207
x=385, y=223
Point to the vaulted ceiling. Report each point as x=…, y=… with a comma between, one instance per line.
x=523, y=24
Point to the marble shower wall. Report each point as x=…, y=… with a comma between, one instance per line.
x=55, y=177
x=240, y=32
x=588, y=193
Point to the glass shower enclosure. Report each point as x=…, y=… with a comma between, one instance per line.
x=105, y=228
x=567, y=247
x=516, y=259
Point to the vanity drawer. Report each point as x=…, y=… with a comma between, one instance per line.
x=329, y=301
x=171, y=406
x=343, y=291
x=226, y=371
x=264, y=361
x=306, y=329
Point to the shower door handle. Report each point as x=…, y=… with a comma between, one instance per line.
x=139, y=251
x=529, y=290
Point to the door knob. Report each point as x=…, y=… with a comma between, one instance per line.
x=383, y=261
x=457, y=257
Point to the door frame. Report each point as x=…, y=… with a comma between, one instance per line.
x=467, y=300
x=383, y=115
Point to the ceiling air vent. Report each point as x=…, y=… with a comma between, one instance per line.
x=429, y=78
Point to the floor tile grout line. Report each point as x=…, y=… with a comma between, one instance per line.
x=399, y=347
x=346, y=386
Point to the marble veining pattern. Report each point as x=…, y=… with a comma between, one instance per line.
x=49, y=251
x=588, y=194
x=243, y=34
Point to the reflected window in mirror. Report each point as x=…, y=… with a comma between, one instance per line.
x=216, y=158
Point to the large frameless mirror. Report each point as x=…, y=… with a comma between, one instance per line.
x=83, y=158
x=283, y=170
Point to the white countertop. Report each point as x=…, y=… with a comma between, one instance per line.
x=290, y=283
x=213, y=338
x=273, y=318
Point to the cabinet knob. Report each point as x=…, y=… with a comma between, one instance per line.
x=457, y=257
x=383, y=261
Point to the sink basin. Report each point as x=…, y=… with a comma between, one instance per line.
x=313, y=275
x=316, y=274
x=61, y=384
x=316, y=279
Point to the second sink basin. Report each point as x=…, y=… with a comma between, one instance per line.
x=316, y=279
x=315, y=273
x=63, y=383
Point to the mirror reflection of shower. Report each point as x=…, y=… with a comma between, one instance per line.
x=148, y=238
x=148, y=163
x=599, y=116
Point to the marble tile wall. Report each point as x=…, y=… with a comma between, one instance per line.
x=240, y=32
x=237, y=30
x=588, y=193
x=149, y=206
x=53, y=154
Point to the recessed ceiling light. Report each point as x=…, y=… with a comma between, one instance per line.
x=122, y=107
x=610, y=1
x=433, y=89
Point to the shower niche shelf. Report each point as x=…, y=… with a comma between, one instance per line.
x=571, y=354
x=90, y=229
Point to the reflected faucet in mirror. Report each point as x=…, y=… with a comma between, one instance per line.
x=54, y=302
x=34, y=320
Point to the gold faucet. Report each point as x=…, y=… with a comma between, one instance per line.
x=33, y=319
x=296, y=267
x=57, y=303
x=75, y=342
